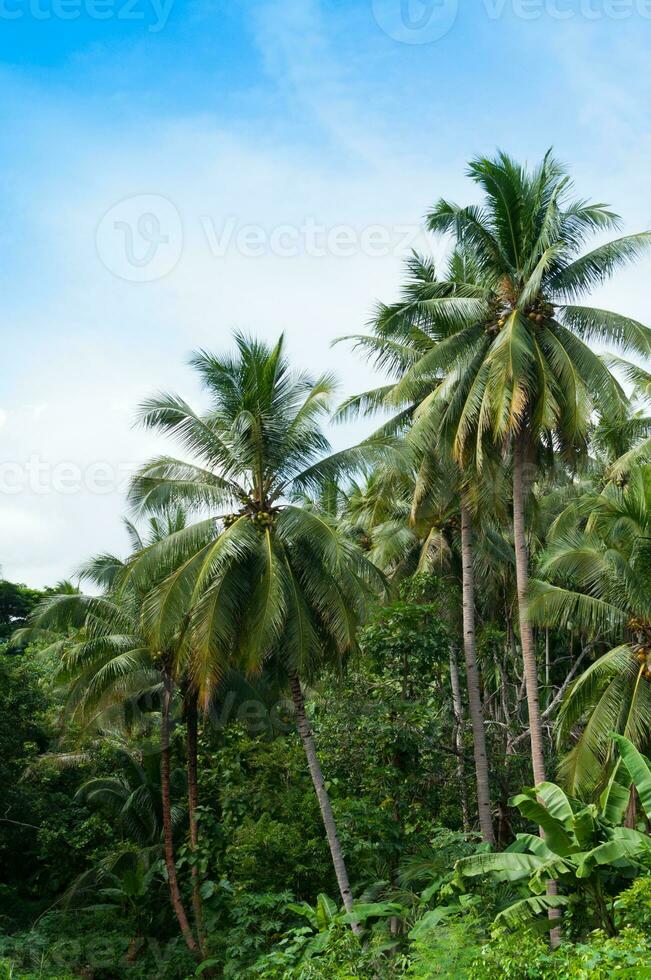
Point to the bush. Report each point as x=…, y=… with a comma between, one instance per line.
x=447, y=951
x=633, y=907
x=523, y=956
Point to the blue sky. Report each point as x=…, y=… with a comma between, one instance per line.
x=236, y=128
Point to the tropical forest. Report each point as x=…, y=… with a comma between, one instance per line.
x=380, y=711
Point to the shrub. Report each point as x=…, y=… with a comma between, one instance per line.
x=524, y=956
x=633, y=907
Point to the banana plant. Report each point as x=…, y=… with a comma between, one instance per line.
x=585, y=847
x=325, y=916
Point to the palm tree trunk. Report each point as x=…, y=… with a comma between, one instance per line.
x=168, y=841
x=547, y=661
x=191, y=720
x=472, y=675
x=457, y=711
x=314, y=765
x=526, y=639
x=526, y=633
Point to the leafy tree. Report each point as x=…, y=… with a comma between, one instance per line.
x=16, y=603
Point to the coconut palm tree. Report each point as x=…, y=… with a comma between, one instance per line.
x=518, y=370
x=275, y=578
x=111, y=662
x=598, y=580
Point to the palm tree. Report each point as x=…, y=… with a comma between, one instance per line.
x=134, y=797
x=599, y=582
x=275, y=578
x=112, y=661
x=518, y=371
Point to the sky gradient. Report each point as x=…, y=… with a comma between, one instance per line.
x=174, y=170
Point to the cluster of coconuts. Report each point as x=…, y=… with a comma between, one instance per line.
x=496, y=322
x=262, y=518
x=642, y=650
x=230, y=519
x=540, y=312
x=644, y=656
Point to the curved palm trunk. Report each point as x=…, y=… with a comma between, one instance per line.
x=457, y=736
x=527, y=641
x=191, y=719
x=168, y=841
x=314, y=765
x=472, y=674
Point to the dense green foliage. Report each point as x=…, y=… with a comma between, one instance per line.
x=377, y=713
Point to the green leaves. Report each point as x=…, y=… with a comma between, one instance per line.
x=578, y=843
x=521, y=912
x=552, y=812
x=507, y=866
x=638, y=768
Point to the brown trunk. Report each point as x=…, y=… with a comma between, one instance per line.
x=630, y=817
x=526, y=633
x=457, y=710
x=526, y=637
x=472, y=675
x=327, y=815
x=168, y=841
x=134, y=946
x=547, y=661
x=193, y=802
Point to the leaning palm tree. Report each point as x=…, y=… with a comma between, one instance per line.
x=598, y=572
x=518, y=370
x=264, y=574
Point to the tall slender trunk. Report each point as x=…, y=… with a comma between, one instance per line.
x=547, y=661
x=457, y=710
x=305, y=731
x=472, y=675
x=526, y=633
x=168, y=840
x=191, y=719
x=526, y=638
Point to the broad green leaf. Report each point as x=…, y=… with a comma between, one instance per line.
x=638, y=769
